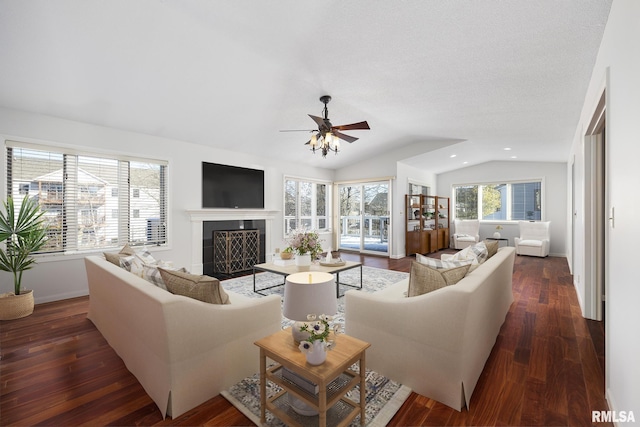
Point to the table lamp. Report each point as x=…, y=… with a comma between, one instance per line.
x=308, y=293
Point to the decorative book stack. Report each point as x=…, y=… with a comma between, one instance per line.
x=303, y=383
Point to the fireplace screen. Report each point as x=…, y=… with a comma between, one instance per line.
x=236, y=250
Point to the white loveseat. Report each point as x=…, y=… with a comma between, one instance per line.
x=183, y=351
x=436, y=343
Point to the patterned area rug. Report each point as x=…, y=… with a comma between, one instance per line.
x=383, y=399
x=373, y=279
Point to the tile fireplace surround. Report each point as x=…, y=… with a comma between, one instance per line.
x=199, y=216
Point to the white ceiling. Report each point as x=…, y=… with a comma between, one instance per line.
x=472, y=77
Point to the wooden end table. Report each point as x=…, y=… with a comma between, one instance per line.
x=334, y=379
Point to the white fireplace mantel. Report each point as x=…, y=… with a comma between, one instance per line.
x=198, y=216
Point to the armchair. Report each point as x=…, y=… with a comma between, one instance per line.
x=466, y=233
x=534, y=239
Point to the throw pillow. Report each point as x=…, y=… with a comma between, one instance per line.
x=203, y=288
x=479, y=250
x=115, y=258
x=440, y=264
x=145, y=256
x=424, y=279
x=127, y=262
x=150, y=273
x=492, y=247
x=112, y=258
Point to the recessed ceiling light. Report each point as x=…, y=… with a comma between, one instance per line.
x=464, y=163
x=453, y=155
x=507, y=148
x=514, y=157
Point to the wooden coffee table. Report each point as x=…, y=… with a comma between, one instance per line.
x=334, y=379
x=285, y=270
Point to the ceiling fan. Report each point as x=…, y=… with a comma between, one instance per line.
x=327, y=137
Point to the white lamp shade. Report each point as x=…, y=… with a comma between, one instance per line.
x=309, y=293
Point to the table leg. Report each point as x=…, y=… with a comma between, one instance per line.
x=254, y=279
x=263, y=386
x=322, y=405
x=363, y=389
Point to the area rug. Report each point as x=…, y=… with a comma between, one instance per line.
x=373, y=279
x=383, y=399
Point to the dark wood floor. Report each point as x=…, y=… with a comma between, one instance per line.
x=57, y=369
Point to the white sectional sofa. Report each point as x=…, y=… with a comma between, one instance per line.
x=436, y=343
x=183, y=351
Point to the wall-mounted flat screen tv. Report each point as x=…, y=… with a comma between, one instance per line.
x=233, y=187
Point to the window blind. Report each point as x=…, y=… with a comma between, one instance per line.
x=91, y=201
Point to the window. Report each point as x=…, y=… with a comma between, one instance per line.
x=85, y=196
x=418, y=189
x=305, y=205
x=499, y=202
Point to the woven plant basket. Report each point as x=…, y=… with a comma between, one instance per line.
x=16, y=306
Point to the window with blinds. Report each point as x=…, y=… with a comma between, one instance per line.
x=90, y=201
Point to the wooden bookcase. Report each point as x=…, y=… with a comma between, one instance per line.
x=426, y=223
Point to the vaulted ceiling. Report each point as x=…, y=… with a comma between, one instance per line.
x=442, y=77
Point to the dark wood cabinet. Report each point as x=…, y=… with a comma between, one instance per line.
x=426, y=223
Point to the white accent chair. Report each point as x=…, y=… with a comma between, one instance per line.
x=534, y=238
x=466, y=233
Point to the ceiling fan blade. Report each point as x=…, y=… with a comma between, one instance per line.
x=353, y=126
x=343, y=136
x=319, y=121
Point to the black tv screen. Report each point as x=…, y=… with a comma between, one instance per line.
x=233, y=187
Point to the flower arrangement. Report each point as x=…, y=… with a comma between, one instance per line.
x=499, y=227
x=319, y=330
x=304, y=241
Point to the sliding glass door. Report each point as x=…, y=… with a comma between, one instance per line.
x=364, y=217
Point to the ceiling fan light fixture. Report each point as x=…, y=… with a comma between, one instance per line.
x=326, y=138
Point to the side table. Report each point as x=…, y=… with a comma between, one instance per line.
x=502, y=239
x=334, y=379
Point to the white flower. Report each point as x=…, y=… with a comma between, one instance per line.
x=325, y=317
x=318, y=328
x=305, y=346
x=311, y=317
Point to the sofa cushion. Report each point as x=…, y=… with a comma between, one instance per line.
x=203, y=288
x=424, y=279
x=536, y=243
x=492, y=247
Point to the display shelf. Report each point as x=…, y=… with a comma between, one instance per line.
x=427, y=223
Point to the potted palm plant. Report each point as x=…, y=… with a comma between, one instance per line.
x=23, y=234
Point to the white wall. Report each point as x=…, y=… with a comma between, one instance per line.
x=60, y=277
x=554, y=194
x=618, y=66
